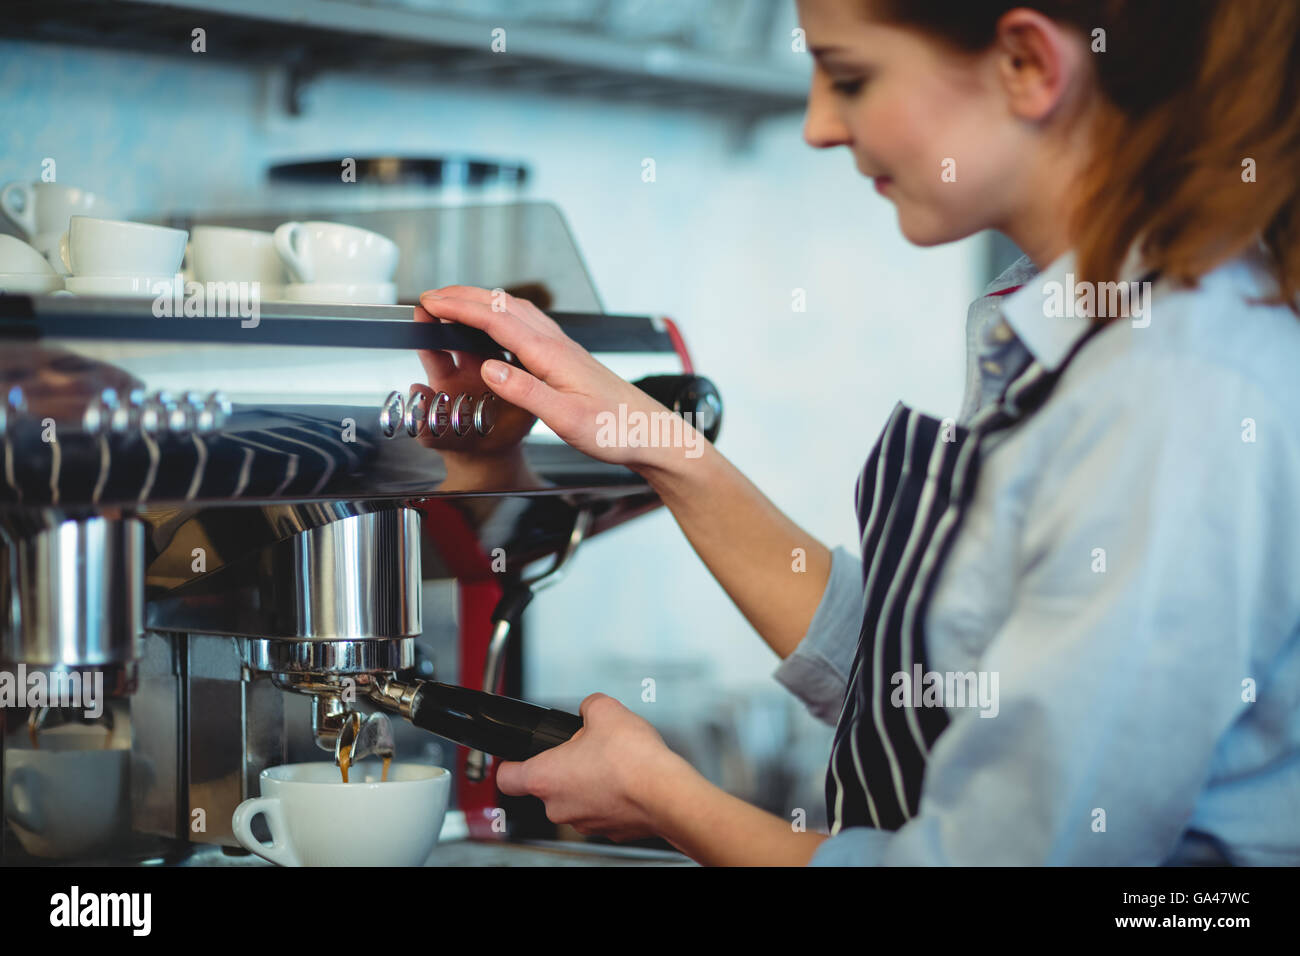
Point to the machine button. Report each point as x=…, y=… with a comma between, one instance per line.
x=98, y=412
x=156, y=413
x=178, y=416
x=12, y=408
x=391, y=413
x=485, y=414
x=462, y=414
x=440, y=414
x=417, y=411
x=220, y=406
x=707, y=412
x=127, y=413
x=196, y=412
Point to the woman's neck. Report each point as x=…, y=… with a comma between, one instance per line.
x=1040, y=222
x=1040, y=226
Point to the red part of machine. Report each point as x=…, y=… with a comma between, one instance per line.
x=479, y=592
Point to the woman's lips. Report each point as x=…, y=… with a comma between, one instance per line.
x=883, y=183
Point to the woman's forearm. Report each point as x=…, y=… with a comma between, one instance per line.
x=714, y=828
x=774, y=571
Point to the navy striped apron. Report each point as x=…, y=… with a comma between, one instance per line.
x=911, y=496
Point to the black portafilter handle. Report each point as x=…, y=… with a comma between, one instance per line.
x=501, y=726
x=693, y=394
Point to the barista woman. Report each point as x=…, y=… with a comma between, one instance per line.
x=1108, y=536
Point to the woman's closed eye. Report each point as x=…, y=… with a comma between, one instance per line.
x=848, y=87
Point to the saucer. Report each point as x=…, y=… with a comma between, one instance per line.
x=29, y=283
x=133, y=286
x=266, y=291
x=343, y=293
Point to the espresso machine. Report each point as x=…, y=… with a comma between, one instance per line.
x=248, y=533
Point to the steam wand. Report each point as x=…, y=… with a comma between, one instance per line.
x=506, y=617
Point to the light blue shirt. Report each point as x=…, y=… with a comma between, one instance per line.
x=1129, y=568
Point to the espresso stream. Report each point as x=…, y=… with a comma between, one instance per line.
x=345, y=753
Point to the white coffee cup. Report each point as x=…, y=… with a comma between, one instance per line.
x=317, y=820
x=43, y=209
x=70, y=798
x=333, y=252
x=18, y=257
x=228, y=254
x=114, y=247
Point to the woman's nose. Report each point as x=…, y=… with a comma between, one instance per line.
x=822, y=126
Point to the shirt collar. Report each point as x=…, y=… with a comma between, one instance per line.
x=1049, y=337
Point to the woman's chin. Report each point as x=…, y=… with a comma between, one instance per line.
x=927, y=232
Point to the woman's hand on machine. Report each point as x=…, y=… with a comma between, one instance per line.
x=561, y=382
x=605, y=780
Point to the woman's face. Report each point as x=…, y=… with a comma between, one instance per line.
x=932, y=127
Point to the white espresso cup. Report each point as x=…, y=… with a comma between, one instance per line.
x=333, y=252
x=114, y=247
x=17, y=257
x=43, y=209
x=70, y=798
x=229, y=254
x=317, y=820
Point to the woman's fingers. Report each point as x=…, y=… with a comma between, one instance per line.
x=525, y=390
x=502, y=301
x=538, y=351
x=511, y=778
x=544, y=320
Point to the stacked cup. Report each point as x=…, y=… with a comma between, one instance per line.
x=332, y=262
x=23, y=270
x=41, y=212
x=226, y=254
x=119, y=258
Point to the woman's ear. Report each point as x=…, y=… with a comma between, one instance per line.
x=1040, y=62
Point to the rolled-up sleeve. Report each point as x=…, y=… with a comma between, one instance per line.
x=817, y=672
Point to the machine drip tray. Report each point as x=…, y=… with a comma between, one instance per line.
x=490, y=853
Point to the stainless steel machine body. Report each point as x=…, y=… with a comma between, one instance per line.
x=212, y=513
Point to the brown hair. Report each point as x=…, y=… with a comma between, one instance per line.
x=1193, y=89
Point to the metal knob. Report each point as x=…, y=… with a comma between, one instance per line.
x=440, y=415
x=98, y=413
x=462, y=414
x=220, y=405
x=154, y=412
x=127, y=412
x=485, y=414
x=13, y=405
x=417, y=411
x=197, y=415
x=179, y=416
x=391, y=413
